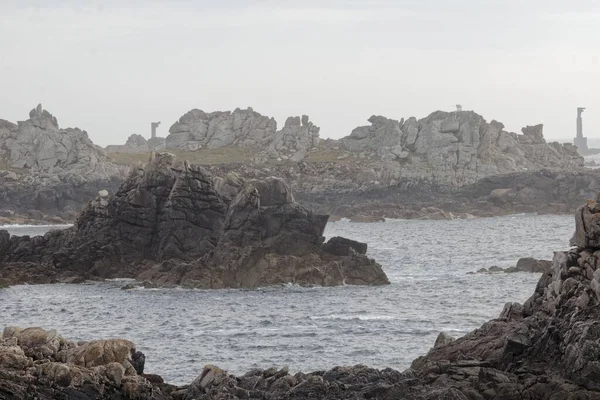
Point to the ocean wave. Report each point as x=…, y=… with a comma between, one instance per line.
x=343, y=317
x=25, y=226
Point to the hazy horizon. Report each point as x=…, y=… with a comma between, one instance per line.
x=112, y=67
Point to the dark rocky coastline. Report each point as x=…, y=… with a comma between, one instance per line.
x=169, y=224
x=546, y=348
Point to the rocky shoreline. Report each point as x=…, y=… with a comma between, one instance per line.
x=546, y=348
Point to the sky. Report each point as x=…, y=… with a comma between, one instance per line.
x=111, y=67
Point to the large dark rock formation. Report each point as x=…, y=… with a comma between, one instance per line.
x=167, y=223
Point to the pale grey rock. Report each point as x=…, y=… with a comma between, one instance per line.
x=134, y=144
x=39, y=144
x=296, y=138
x=457, y=148
x=54, y=169
x=244, y=129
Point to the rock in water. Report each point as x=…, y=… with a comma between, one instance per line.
x=168, y=224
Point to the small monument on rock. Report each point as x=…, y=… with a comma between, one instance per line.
x=580, y=141
x=152, y=141
x=153, y=126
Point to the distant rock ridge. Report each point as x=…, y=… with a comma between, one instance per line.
x=137, y=143
x=44, y=167
x=39, y=144
x=459, y=147
x=169, y=224
x=245, y=129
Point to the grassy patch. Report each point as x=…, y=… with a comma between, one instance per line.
x=224, y=155
x=331, y=155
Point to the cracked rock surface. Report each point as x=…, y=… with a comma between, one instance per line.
x=167, y=223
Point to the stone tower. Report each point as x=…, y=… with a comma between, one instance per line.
x=153, y=126
x=580, y=141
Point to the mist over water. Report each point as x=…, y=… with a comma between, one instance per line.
x=310, y=328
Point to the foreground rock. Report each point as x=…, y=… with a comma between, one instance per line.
x=168, y=224
x=539, y=350
x=40, y=364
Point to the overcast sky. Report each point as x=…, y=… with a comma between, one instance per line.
x=111, y=67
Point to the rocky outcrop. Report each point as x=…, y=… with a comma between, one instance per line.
x=48, y=169
x=295, y=140
x=197, y=129
x=168, y=224
x=40, y=364
x=459, y=148
x=244, y=129
x=39, y=144
x=446, y=159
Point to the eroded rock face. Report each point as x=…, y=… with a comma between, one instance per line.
x=197, y=129
x=460, y=147
x=244, y=129
x=56, y=169
x=169, y=224
x=38, y=143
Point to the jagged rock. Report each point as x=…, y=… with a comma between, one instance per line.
x=58, y=169
x=168, y=224
x=295, y=139
x=38, y=143
x=443, y=339
x=587, y=226
x=529, y=264
x=458, y=148
x=244, y=129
